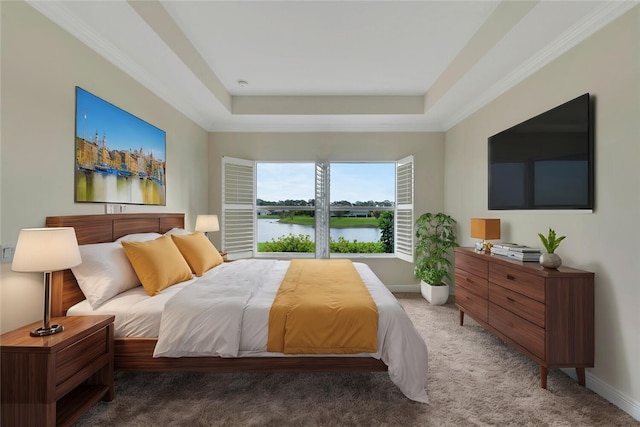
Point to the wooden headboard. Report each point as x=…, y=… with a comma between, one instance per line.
x=65, y=291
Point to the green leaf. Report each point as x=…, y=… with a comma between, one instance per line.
x=435, y=236
x=551, y=241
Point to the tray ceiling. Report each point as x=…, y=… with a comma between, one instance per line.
x=330, y=65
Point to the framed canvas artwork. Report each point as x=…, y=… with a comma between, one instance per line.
x=120, y=158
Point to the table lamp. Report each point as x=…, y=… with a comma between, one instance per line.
x=45, y=250
x=207, y=223
x=485, y=229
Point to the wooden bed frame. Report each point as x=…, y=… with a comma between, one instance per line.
x=136, y=354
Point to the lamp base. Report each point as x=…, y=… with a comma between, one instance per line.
x=480, y=247
x=41, y=332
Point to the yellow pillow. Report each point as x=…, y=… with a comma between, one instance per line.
x=197, y=249
x=157, y=263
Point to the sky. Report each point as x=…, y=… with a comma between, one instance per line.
x=123, y=130
x=349, y=181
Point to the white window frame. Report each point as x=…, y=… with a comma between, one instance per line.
x=238, y=207
x=403, y=217
x=239, y=213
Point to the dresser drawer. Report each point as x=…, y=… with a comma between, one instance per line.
x=473, y=265
x=471, y=282
x=472, y=304
x=518, y=281
x=525, y=307
x=75, y=357
x=525, y=333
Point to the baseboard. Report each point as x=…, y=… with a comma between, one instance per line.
x=404, y=288
x=614, y=396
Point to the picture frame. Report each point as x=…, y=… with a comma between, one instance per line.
x=119, y=158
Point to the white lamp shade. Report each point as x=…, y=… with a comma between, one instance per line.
x=46, y=249
x=207, y=223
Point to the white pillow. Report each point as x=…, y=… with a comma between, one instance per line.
x=139, y=237
x=105, y=272
x=178, y=231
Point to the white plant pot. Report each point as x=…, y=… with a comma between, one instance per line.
x=548, y=260
x=436, y=295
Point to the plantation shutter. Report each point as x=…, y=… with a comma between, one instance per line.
x=238, y=207
x=404, y=209
x=322, y=209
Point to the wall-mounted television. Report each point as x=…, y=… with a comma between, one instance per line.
x=546, y=162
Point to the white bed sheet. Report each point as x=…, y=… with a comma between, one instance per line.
x=136, y=313
x=399, y=344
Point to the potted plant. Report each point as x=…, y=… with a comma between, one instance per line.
x=550, y=243
x=435, y=236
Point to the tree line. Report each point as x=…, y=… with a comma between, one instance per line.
x=303, y=242
x=312, y=202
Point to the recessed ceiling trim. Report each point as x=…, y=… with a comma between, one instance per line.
x=64, y=17
x=193, y=98
x=157, y=17
x=577, y=33
x=500, y=22
x=327, y=127
x=331, y=105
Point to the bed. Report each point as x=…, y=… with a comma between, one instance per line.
x=136, y=353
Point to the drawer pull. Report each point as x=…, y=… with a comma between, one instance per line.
x=510, y=277
x=510, y=299
x=469, y=280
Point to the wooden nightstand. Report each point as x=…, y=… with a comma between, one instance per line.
x=53, y=380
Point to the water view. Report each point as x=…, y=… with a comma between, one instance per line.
x=270, y=228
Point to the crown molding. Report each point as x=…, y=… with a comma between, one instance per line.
x=61, y=14
x=589, y=25
x=64, y=17
x=327, y=127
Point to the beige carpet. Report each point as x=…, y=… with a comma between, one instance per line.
x=474, y=380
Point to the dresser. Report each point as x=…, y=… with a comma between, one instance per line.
x=53, y=380
x=548, y=315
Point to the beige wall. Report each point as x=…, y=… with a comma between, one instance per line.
x=606, y=241
x=41, y=65
x=427, y=149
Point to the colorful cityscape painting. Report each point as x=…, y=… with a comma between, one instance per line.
x=119, y=157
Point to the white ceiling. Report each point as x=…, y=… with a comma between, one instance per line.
x=330, y=65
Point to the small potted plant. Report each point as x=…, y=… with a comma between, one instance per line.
x=550, y=242
x=435, y=236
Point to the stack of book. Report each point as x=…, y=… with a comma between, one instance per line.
x=515, y=251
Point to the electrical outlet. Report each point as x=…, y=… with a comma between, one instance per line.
x=7, y=253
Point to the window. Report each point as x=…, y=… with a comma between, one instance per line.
x=361, y=207
x=318, y=209
x=286, y=217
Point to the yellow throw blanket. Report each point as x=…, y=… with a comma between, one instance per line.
x=323, y=307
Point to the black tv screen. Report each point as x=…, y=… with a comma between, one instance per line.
x=545, y=162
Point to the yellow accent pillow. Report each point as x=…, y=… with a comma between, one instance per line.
x=197, y=249
x=157, y=263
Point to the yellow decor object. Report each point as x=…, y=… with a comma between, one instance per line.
x=158, y=263
x=198, y=251
x=485, y=228
x=323, y=307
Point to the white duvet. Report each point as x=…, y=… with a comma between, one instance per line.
x=226, y=313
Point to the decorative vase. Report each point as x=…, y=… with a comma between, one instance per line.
x=436, y=295
x=550, y=260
